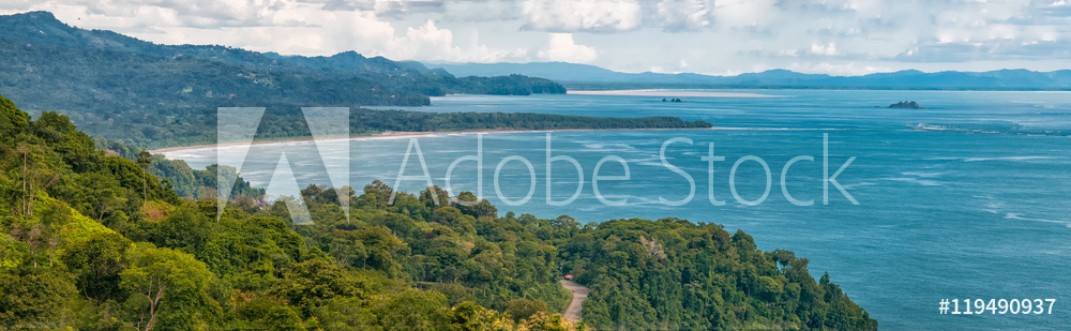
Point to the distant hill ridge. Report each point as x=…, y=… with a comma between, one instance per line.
x=46, y=64
x=588, y=76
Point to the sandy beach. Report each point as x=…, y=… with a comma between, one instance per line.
x=408, y=134
x=389, y=135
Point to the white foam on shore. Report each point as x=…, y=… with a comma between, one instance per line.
x=182, y=152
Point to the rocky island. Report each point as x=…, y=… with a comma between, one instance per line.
x=905, y=105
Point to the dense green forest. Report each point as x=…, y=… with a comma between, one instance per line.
x=94, y=241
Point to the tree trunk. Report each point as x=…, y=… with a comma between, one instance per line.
x=154, y=302
x=25, y=186
x=29, y=209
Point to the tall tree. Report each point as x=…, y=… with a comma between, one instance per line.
x=168, y=289
x=144, y=160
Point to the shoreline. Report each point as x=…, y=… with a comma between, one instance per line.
x=671, y=93
x=420, y=134
x=399, y=135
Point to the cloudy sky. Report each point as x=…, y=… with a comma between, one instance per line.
x=844, y=37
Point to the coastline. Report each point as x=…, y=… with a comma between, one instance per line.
x=400, y=135
x=419, y=134
x=671, y=93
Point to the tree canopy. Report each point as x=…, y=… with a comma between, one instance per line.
x=94, y=241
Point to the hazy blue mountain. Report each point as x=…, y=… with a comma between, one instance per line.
x=561, y=70
x=46, y=64
x=589, y=76
x=119, y=87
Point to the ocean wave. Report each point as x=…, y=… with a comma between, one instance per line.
x=630, y=199
x=1008, y=158
x=924, y=174
x=1016, y=130
x=950, y=128
x=736, y=128
x=920, y=181
x=1020, y=217
x=607, y=147
x=650, y=163
x=993, y=207
x=639, y=160
x=860, y=184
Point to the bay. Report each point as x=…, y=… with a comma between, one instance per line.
x=969, y=197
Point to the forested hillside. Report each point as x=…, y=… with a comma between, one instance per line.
x=120, y=87
x=95, y=69
x=92, y=241
x=148, y=95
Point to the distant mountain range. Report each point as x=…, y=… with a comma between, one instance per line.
x=46, y=64
x=121, y=88
x=588, y=76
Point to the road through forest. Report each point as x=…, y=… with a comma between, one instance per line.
x=576, y=305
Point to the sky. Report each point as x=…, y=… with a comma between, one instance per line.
x=720, y=37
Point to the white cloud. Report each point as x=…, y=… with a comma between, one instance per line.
x=567, y=16
x=388, y=8
x=829, y=49
x=561, y=47
x=287, y=27
x=840, y=69
x=371, y=36
x=431, y=43
x=676, y=15
x=616, y=15
x=744, y=13
x=481, y=11
x=723, y=36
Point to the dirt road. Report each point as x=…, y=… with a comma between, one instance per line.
x=576, y=305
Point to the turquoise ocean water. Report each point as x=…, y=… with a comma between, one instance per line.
x=969, y=197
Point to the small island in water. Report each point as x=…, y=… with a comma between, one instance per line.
x=905, y=105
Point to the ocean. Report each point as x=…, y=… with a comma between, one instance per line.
x=969, y=197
